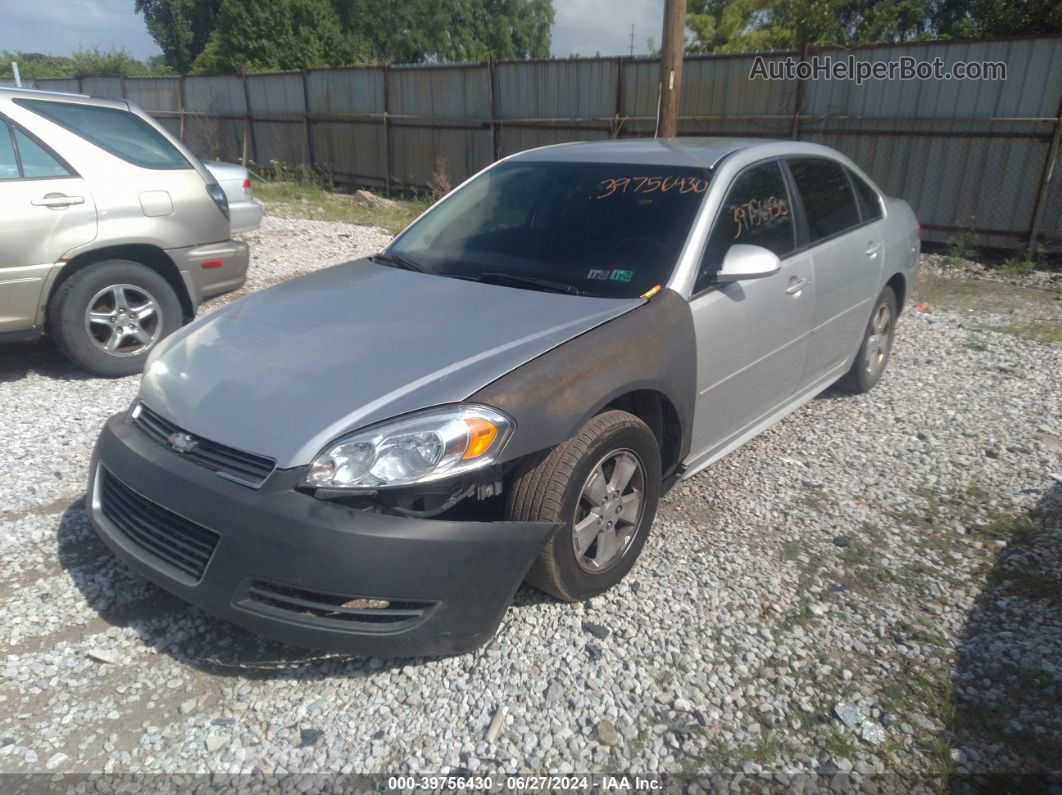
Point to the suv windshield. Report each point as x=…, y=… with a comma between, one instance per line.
x=600, y=229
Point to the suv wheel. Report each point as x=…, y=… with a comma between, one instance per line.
x=602, y=486
x=107, y=317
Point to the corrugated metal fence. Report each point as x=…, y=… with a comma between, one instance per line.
x=973, y=157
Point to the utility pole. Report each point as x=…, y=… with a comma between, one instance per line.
x=632, y=41
x=671, y=67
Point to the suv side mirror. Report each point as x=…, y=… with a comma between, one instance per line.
x=747, y=262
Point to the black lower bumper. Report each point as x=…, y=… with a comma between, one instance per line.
x=274, y=559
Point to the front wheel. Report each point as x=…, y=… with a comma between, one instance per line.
x=602, y=486
x=873, y=356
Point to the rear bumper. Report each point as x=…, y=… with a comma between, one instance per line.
x=206, y=282
x=451, y=580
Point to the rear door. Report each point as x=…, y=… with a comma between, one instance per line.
x=752, y=335
x=47, y=211
x=846, y=251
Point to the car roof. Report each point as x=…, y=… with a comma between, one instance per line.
x=10, y=92
x=703, y=152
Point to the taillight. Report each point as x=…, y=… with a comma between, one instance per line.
x=218, y=195
x=247, y=185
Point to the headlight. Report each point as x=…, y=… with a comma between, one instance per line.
x=420, y=448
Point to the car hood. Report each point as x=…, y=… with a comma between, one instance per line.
x=284, y=371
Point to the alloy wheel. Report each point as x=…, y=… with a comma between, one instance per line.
x=879, y=341
x=123, y=320
x=608, y=511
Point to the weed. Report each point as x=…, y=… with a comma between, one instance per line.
x=791, y=550
x=1041, y=331
x=976, y=344
x=1017, y=267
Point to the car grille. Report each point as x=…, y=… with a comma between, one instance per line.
x=184, y=545
x=245, y=468
x=335, y=610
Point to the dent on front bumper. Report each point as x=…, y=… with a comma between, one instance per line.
x=212, y=269
x=274, y=551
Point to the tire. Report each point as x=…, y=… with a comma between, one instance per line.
x=873, y=356
x=553, y=487
x=97, y=287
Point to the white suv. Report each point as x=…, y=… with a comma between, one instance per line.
x=111, y=232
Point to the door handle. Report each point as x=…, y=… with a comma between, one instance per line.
x=872, y=249
x=57, y=200
x=796, y=284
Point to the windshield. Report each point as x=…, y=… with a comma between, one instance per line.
x=600, y=229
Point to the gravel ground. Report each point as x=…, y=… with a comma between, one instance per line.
x=869, y=587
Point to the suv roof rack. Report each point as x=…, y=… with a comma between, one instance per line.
x=24, y=90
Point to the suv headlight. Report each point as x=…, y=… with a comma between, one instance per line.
x=420, y=448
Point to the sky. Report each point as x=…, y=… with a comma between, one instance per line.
x=58, y=27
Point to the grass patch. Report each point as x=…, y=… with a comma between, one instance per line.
x=929, y=692
x=976, y=344
x=979, y=295
x=840, y=742
x=316, y=202
x=791, y=550
x=816, y=500
x=1041, y=331
x=1017, y=267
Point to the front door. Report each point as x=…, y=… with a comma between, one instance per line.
x=752, y=335
x=47, y=211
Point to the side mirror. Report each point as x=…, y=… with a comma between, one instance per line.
x=748, y=262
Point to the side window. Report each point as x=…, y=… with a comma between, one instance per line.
x=869, y=203
x=8, y=161
x=37, y=163
x=828, y=202
x=119, y=132
x=756, y=212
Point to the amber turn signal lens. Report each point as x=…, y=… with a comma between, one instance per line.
x=481, y=433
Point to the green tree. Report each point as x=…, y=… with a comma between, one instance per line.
x=180, y=27
x=413, y=31
x=977, y=18
x=729, y=25
x=267, y=35
x=117, y=62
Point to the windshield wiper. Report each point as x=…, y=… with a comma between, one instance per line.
x=517, y=280
x=397, y=261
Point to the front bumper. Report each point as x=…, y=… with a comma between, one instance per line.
x=460, y=576
x=203, y=283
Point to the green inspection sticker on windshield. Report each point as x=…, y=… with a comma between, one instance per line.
x=621, y=275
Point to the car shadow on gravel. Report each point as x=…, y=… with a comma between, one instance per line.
x=18, y=361
x=1005, y=715
x=196, y=639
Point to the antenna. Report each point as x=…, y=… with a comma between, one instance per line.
x=632, y=41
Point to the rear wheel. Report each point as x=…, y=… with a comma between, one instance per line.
x=873, y=356
x=107, y=317
x=602, y=486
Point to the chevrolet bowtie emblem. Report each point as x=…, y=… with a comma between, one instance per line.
x=182, y=442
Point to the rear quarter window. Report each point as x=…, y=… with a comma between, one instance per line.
x=829, y=205
x=119, y=132
x=869, y=203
